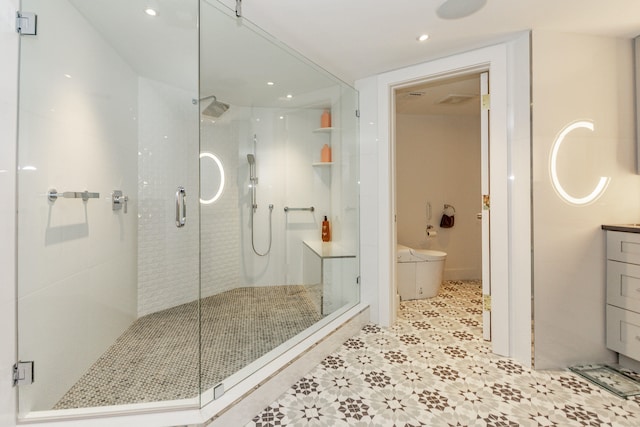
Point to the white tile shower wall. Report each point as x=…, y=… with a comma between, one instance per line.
x=306, y=185
x=8, y=117
x=438, y=162
x=285, y=149
x=348, y=153
x=76, y=260
x=220, y=222
x=339, y=157
x=168, y=256
x=578, y=77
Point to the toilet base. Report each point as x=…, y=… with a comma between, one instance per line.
x=419, y=280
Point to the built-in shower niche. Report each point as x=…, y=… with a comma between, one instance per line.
x=154, y=305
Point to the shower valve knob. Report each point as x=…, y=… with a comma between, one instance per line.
x=118, y=201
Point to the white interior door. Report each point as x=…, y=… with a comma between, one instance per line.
x=486, y=202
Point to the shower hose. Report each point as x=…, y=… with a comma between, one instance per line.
x=253, y=245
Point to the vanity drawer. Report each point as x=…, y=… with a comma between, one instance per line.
x=623, y=331
x=623, y=247
x=623, y=285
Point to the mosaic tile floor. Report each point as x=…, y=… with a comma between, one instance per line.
x=433, y=369
x=156, y=358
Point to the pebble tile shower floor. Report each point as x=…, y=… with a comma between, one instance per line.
x=156, y=358
x=432, y=368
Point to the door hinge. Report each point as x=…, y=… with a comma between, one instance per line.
x=486, y=101
x=358, y=280
x=486, y=302
x=23, y=373
x=26, y=23
x=357, y=113
x=486, y=202
x=218, y=391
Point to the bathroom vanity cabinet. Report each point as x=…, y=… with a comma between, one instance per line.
x=623, y=290
x=335, y=269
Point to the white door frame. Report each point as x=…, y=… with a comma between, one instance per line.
x=494, y=59
x=486, y=211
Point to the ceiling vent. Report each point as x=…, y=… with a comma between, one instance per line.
x=454, y=99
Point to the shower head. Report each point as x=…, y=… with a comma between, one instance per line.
x=251, y=159
x=215, y=109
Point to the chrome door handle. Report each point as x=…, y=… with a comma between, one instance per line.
x=181, y=207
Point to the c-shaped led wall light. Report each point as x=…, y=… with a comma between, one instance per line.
x=602, y=184
x=221, y=169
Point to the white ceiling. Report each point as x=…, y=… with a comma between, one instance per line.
x=351, y=39
x=358, y=38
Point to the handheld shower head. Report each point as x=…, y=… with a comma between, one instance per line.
x=253, y=179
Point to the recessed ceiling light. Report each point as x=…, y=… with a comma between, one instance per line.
x=289, y=96
x=456, y=9
x=68, y=76
x=151, y=12
x=423, y=37
x=270, y=83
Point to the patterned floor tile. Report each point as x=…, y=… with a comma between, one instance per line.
x=432, y=368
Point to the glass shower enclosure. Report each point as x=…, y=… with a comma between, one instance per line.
x=171, y=193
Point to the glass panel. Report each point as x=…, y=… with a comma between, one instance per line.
x=112, y=244
x=268, y=280
x=108, y=286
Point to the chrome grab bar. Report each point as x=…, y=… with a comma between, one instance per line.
x=310, y=209
x=53, y=195
x=181, y=207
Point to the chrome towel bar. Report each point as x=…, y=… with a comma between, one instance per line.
x=84, y=195
x=310, y=209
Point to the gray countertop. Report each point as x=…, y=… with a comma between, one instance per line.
x=627, y=228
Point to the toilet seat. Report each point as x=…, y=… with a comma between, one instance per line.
x=406, y=254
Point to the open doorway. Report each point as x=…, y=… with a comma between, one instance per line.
x=441, y=175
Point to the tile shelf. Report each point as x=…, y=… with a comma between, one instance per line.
x=324, y=130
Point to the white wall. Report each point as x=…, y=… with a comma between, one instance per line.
x=577, y=77
x=438, y=162
x=8, y=122
x=76, y=260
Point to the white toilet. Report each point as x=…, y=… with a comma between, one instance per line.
x=419, y=272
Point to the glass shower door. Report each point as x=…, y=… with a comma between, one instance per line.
x=108, y=221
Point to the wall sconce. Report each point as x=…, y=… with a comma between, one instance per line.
x=553, y=168
x=221, y=185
